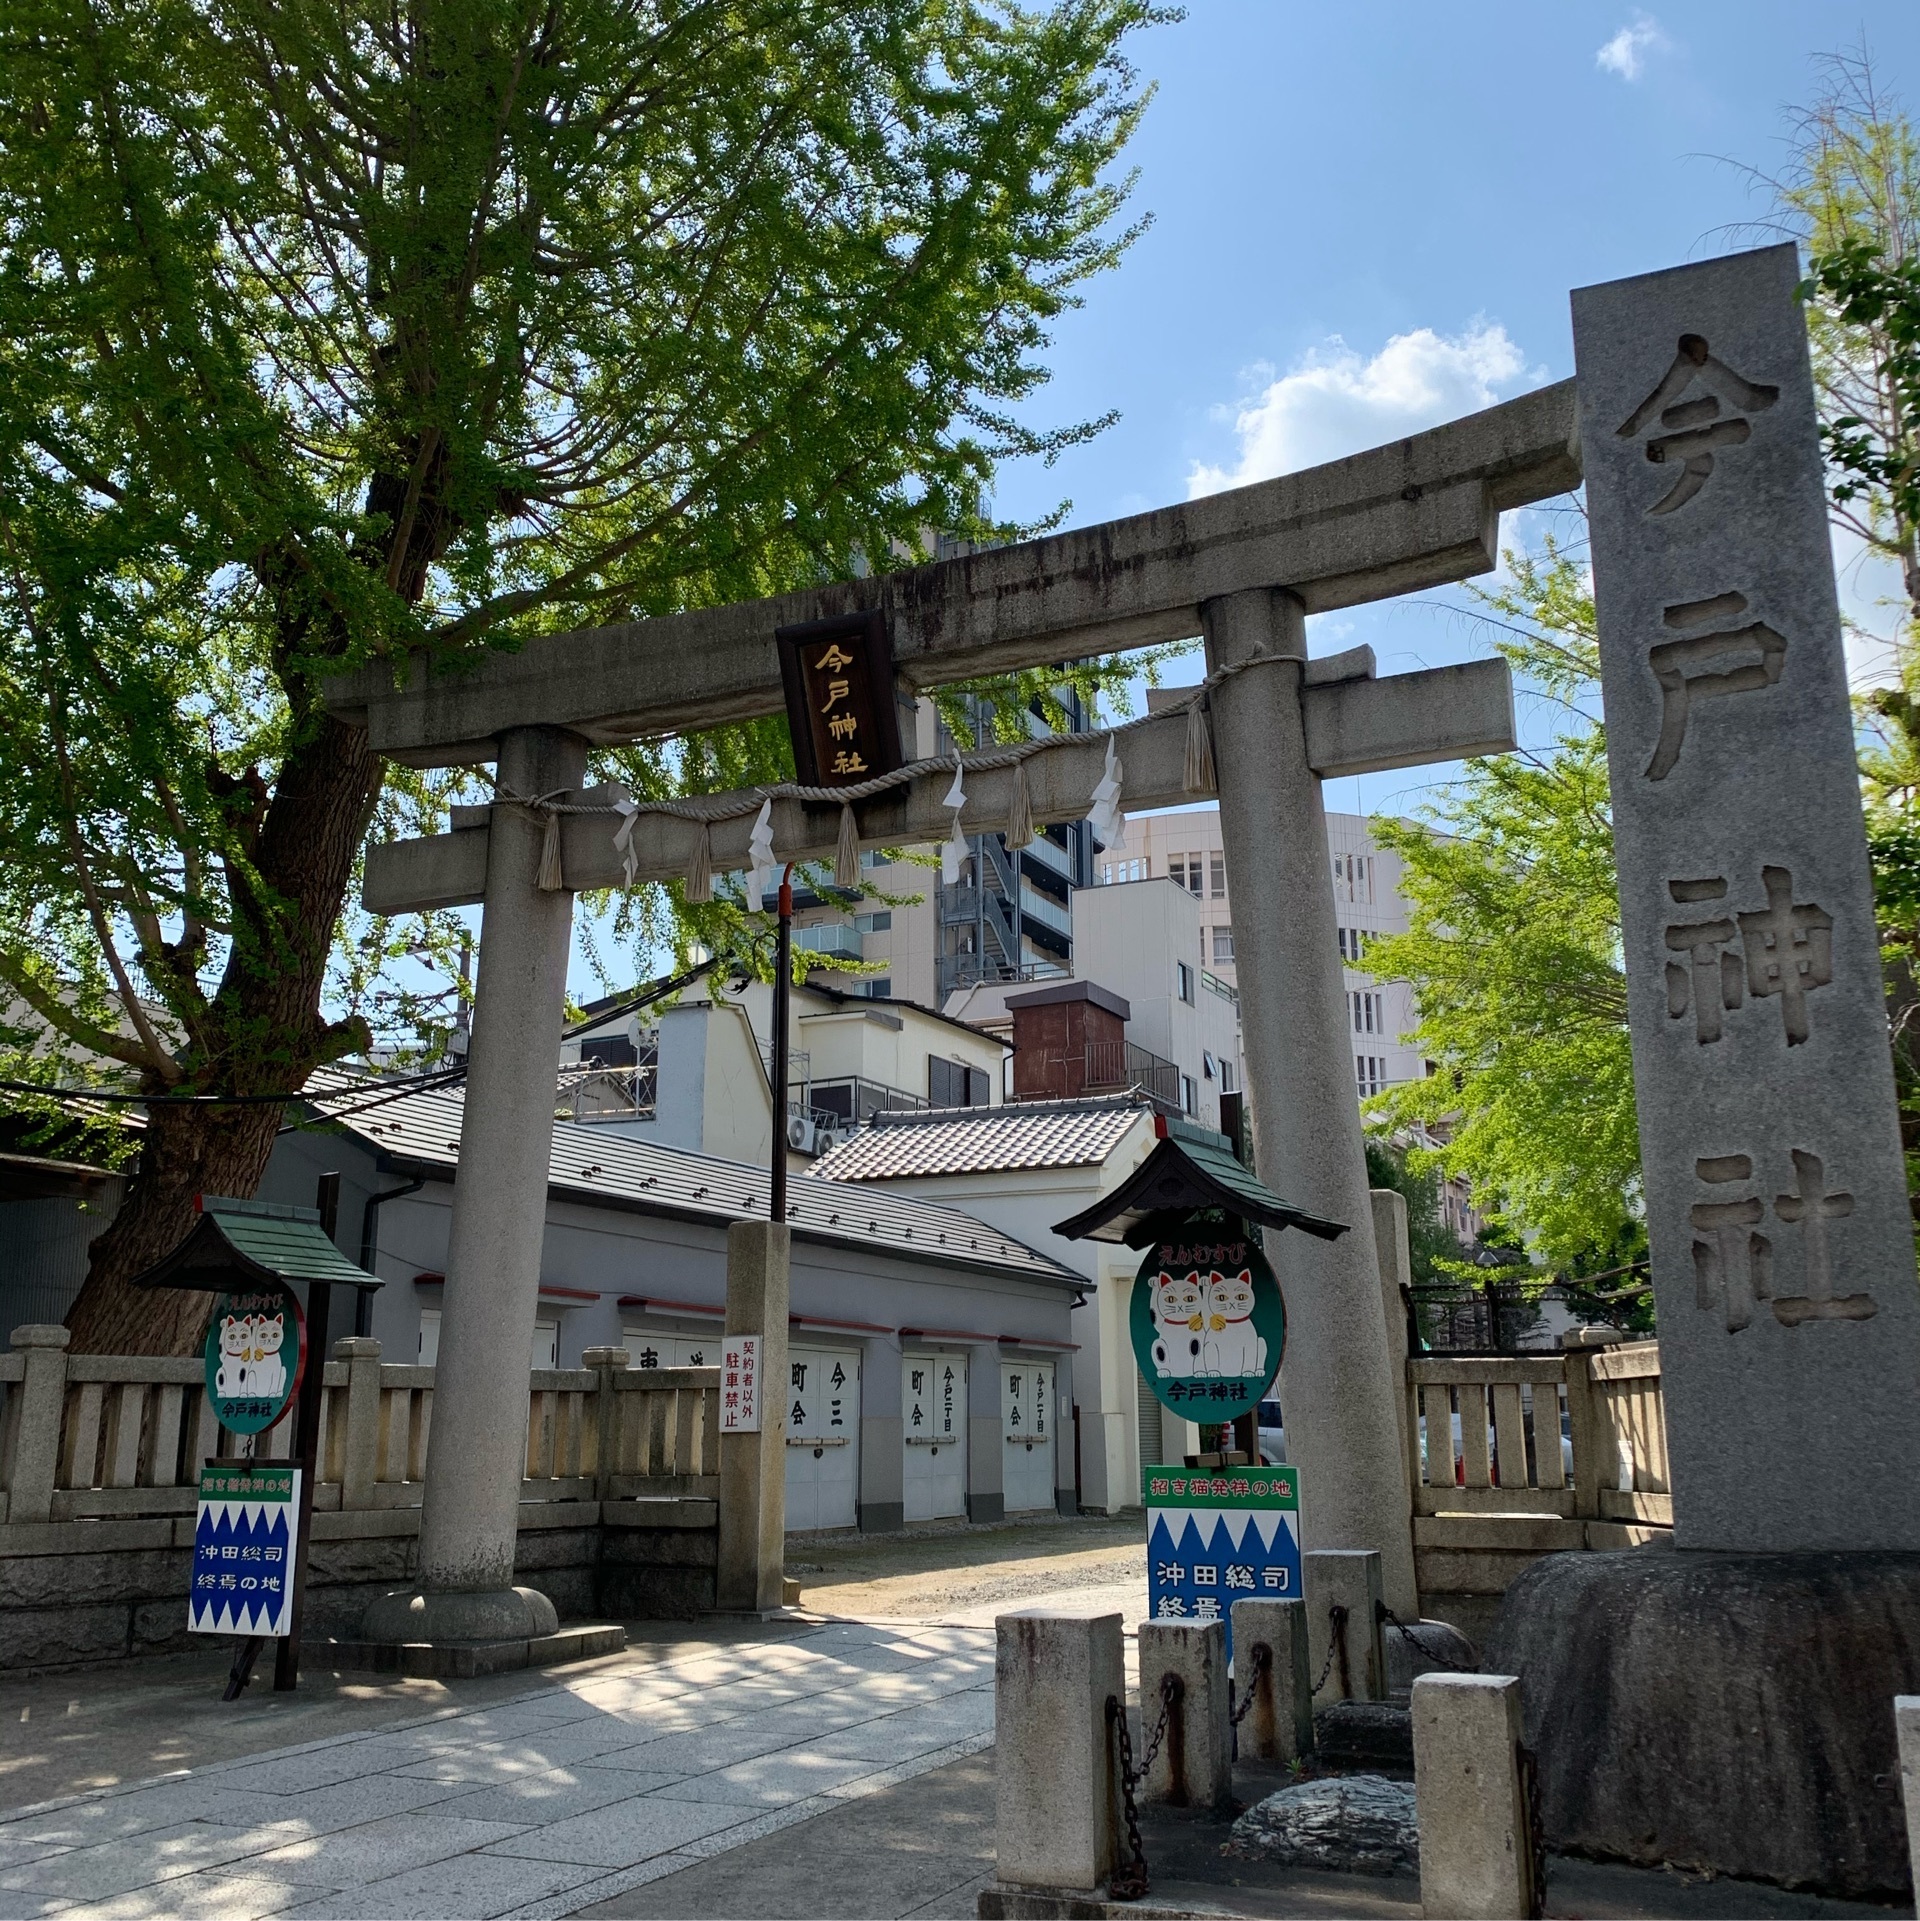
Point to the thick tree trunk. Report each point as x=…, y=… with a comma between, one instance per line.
x=265, y=1034
x=187, y=1152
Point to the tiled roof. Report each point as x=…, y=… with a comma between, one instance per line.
x=964, y=1140
x=422, y=1132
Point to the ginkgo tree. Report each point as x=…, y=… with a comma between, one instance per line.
x=332, y=332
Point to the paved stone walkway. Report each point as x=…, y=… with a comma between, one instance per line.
x=536, y=1805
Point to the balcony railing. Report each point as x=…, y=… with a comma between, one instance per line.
x=829, y=937
x=851, y=1102
x=1045, y=911
x=1111, y=1065
x=608, y=1093
x=969, y=970
x=1215, y=985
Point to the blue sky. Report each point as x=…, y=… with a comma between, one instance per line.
x=1366, y=220
x=1367, y=217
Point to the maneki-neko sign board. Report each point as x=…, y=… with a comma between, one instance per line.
x=1209, y=1326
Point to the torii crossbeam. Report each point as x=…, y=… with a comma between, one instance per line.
x=1243, y=568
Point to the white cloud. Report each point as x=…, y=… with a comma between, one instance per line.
x=1335, y=403
x=1625, y=54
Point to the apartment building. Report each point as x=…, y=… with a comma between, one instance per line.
x=1184, y=846
x=695, y=1075
x=1167, y=1025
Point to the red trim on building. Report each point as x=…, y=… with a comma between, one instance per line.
x=820, y=1320
x=674, y=1307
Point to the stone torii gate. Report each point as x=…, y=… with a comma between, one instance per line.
x=1242, y=568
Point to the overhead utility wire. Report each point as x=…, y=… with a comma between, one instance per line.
x=107, y=1097
x=388, y=1090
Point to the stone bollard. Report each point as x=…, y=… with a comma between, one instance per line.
x=1194, y=1767
x=1906, y=1725
x=1476, y=1853
x=1279, y=1725
x=1347, y=1579
x=1056, y=1760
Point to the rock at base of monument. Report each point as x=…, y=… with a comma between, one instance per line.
x=1349, y=1823
x=1365, y=1734
x=461, y=1660
x=1724, y=1711
x=1424, y=1647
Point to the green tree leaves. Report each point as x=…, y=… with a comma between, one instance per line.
x=332, y=333
x=1513, y=949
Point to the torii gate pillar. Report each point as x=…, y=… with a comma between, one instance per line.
x=1339, y=1385
x=476, y=1452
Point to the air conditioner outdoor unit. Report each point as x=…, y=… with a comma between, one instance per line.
x=802, y=1135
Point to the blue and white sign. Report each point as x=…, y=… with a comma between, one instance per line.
x=1217, y=1536
x=243, y=1541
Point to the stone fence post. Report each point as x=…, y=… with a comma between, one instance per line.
x=1476, y=1849
x=1194, y=1767
x=36, y=1428
x=1056, y=1757
x=1279, y=1725
x=1586, y=1429
x=360, y=1459
x=751, y=1546
x=605, y=1362
x=1346, y=1580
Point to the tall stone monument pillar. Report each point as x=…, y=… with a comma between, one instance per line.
x=1782, y=1245
x=1731, y=1707
x=1339, y=1383
x=476, y=1452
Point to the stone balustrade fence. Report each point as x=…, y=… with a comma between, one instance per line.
x=1578, y=1434
x=98, y=1436
x=1513, y=1456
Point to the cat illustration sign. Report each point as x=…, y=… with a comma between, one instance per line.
x=1209, y=1327
x=256, y=1352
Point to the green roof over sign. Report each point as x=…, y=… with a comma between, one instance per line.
x=239, y=1242
x=1189, y=1171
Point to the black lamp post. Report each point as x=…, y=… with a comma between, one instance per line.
x=777, y=1068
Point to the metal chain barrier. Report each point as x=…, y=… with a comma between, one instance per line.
x=1420, y=1647
x=1131, y=1882
x=1336, y=1647
x=1260, y=1659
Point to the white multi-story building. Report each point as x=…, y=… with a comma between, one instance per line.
x=1185, y=846
x=1134, y=943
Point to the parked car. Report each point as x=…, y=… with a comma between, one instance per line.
x=1459, y=1457
x=1273, y=1435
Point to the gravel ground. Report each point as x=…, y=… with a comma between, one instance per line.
x=956, y=1567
